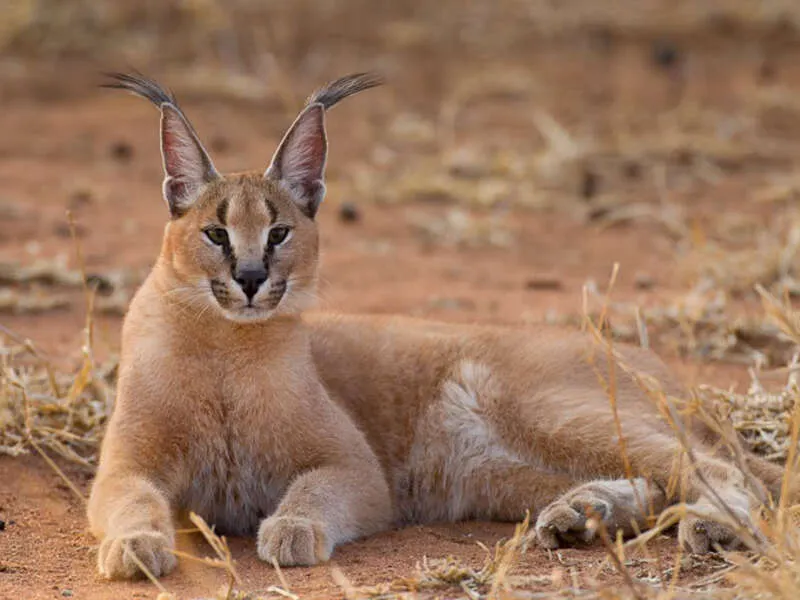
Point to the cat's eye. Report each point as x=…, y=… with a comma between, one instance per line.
x=277, y=235
x=217, y=235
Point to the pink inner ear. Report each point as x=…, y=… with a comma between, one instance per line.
x=183, y=157
x=302, y=159
x=172, y=161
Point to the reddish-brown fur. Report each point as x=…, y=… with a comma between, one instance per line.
x=313, y=430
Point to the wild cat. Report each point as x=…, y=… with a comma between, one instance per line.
x=310, y=431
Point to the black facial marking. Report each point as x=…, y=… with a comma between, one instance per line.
x=268, y=252
x=229, y=252
x=230, y=255
x=276, y=292
x=273, y=212
x=220, y=291
x=177, y=211
x=222, y=212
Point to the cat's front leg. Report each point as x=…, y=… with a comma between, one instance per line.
x=132, y=518
x=323, y=508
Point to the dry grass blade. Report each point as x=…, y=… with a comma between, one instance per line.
x=147, y=573
x=224, y=558
x=281, y=577
x=781, y=313
x=492, y=580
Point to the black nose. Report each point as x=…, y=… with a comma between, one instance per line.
x=250, y=280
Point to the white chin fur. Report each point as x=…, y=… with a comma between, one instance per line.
x=248, y=315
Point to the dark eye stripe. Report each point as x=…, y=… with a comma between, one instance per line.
x=222, y=212
x=273, y=212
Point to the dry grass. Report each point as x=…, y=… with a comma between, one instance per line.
x=702, y=324
x=771, y=569
x=63, y=413
x=45, y=285
x=83, y=26
x=460, y=229
x=53, y=412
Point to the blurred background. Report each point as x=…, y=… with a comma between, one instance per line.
x=520, y=149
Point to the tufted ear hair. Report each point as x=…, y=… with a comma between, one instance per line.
x=299, y=161
x=187, y=165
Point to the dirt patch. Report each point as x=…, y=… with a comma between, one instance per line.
x=47, y=552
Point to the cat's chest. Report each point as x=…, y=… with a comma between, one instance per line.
x=235, y=484
x=239, y=470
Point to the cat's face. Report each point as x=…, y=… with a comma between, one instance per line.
x=244, y=248
x=245, y=245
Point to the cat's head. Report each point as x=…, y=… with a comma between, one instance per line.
x=243, y=244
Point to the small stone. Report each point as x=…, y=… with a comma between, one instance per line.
x=597, y=213
x=101, y=284
x=2, y=525
x=67, y=593
x=665, y=54
x=121, y=151
x=643, y=281
x=220, y=144
x=766, y=72
x=543, y=282
x=632, y=169
x=589, y=184
x=80, y=197
x=349, y=213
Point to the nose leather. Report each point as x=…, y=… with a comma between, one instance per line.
x=250, y=280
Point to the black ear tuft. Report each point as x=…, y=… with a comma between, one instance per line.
x=187, y=165
x=299, y=161
x=343, y=87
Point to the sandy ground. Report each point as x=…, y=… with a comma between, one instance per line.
x=62, y=152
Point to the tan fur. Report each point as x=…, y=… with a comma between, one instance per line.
x=313, y=430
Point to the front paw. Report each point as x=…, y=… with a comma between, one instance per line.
x=706, y=528
x=152, y=548
x=700, y=536
x=566, y=521
x=293, y=541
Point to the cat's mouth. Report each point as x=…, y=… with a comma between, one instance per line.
x=248, y=313
x=258, y=308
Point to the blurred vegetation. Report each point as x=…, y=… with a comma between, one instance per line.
x=241, y=34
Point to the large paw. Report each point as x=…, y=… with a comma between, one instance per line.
x=704, y=528
x=566, y=521
x=152, y=548
x=293, y=541
x=699, y=536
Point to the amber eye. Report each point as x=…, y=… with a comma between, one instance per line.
x=277, y=235
x=217, y=235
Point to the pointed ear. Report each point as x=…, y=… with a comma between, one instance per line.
x=186, y=163
x=187, y=166
x=299, y=162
